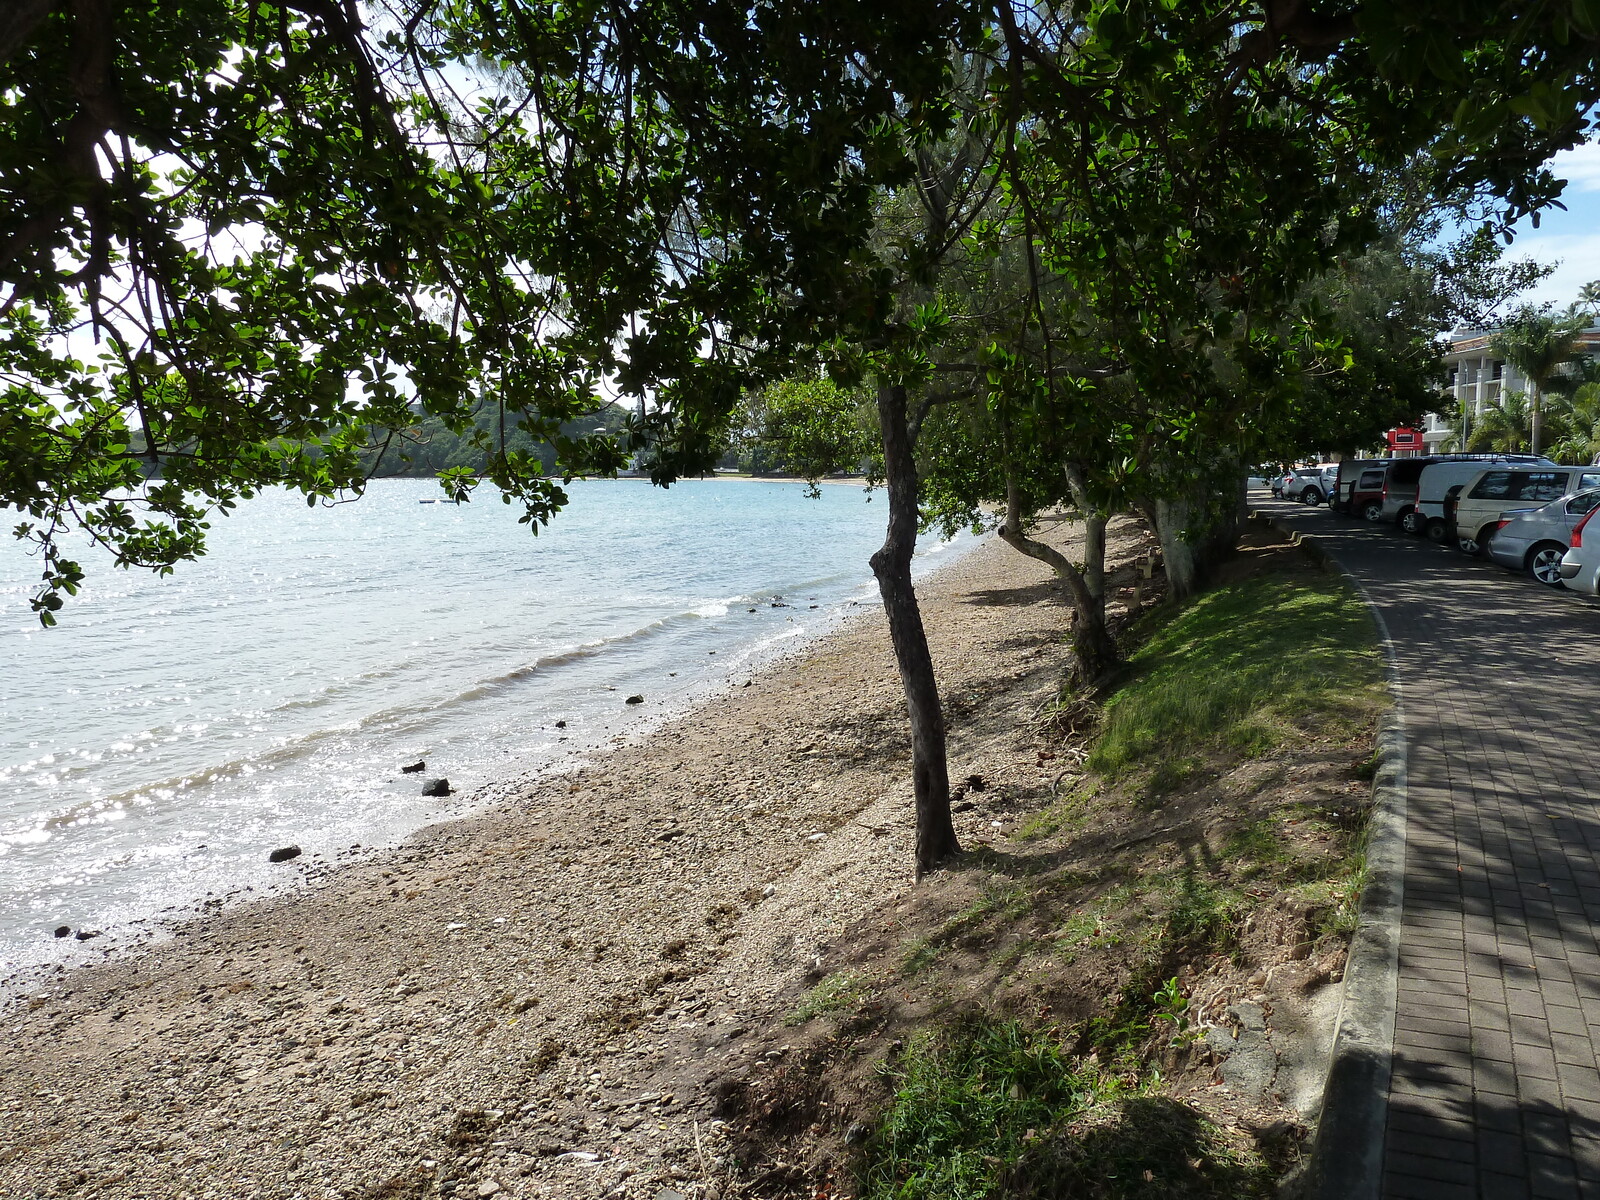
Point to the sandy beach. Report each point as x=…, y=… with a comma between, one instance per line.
x=533, y=1001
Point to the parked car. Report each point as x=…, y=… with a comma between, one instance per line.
x=1366, y=493
x=1329, y=481
x=1536, y=539
x=1580, y=565
x=1405, y=474
x=1472, y=514
x=1305, y=485
x=1351, y=472
x=1438, y=479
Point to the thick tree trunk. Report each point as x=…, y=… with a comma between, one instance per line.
x=936, y=835
x=1096, y=650
x=1196, y=532
x=1171, y=519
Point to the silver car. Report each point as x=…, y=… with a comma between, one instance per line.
x=1580, y=565
x=1305, y=485
x=1535, y=539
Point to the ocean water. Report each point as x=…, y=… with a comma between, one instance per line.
x=169, y=733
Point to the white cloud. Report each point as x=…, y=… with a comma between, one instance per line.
x=1575, y=256
x=1580, y=167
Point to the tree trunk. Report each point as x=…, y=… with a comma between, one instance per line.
x=1094, y=557
x=1171, y=519
x=936, y=835
x=1094, y=537
x=1536, y=418
x=1092, y=643
x=1197, y=531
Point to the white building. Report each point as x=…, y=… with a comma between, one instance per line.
x=1477, y=378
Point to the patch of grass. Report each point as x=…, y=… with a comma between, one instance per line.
x=1258, y=847
x=1367, y=769
x=1093, y=927
x=1067, y=814
x=1002, y=901
x=919, y=955
x=1334, y=904
x=1239, y=669
x=840, y=991
x=1169, y=776
x=1205, y=915
x=990, y=1108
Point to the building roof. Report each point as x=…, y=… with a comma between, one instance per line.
x=1473, y=341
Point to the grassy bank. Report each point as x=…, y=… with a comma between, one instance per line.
x=1054, y=1015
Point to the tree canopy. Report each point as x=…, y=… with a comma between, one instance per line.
x=246, y=240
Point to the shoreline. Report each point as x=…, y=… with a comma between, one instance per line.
x=543, y=960
x=135, y=929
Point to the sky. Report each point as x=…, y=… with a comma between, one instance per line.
x=1568, y=240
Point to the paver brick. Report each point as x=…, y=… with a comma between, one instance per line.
x=1495, y=1085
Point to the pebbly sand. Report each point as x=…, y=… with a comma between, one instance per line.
x=527, y=1002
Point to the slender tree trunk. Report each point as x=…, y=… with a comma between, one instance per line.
x=1536, y=421
x=1092, y=643
x=1094, y=536
x=936, y=835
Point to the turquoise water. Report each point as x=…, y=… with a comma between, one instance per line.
x=169, y=733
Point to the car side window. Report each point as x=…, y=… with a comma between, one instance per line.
x=1589, y=479
x=1495, y=485
x=1540, y=487
x=1371, y=481
x=1579, y=505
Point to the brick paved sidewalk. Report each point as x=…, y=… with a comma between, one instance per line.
x=1495, y=1090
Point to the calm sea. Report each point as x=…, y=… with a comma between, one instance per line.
x=170, y=733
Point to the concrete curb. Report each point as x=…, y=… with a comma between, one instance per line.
x=1310, y=547
x=1346, y=1160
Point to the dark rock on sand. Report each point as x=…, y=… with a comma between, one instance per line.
x=284, y=854
x=635, y=700
x=436, y=787
x=63, y=931
x=419, y=765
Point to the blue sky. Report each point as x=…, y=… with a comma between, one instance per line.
x=1568, y=240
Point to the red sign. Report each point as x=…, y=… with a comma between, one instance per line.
x=1404, y=438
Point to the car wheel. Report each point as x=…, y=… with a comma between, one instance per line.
x=1469, y=546
x=1311, y=497
x=1372, y=512
x=1411, y=522
x=1436, y=530
x=1544, y=563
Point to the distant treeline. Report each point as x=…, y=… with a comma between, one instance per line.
x=428, y=448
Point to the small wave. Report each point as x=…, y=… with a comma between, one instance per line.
x=156, y=795
x=586, y=650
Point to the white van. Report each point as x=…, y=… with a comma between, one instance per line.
x=1471, y=514
x=1438, y=478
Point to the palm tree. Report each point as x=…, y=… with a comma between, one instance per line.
x=1503, y=425
x=1578, y=418
x=1589, y=298
x=1540, y=346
